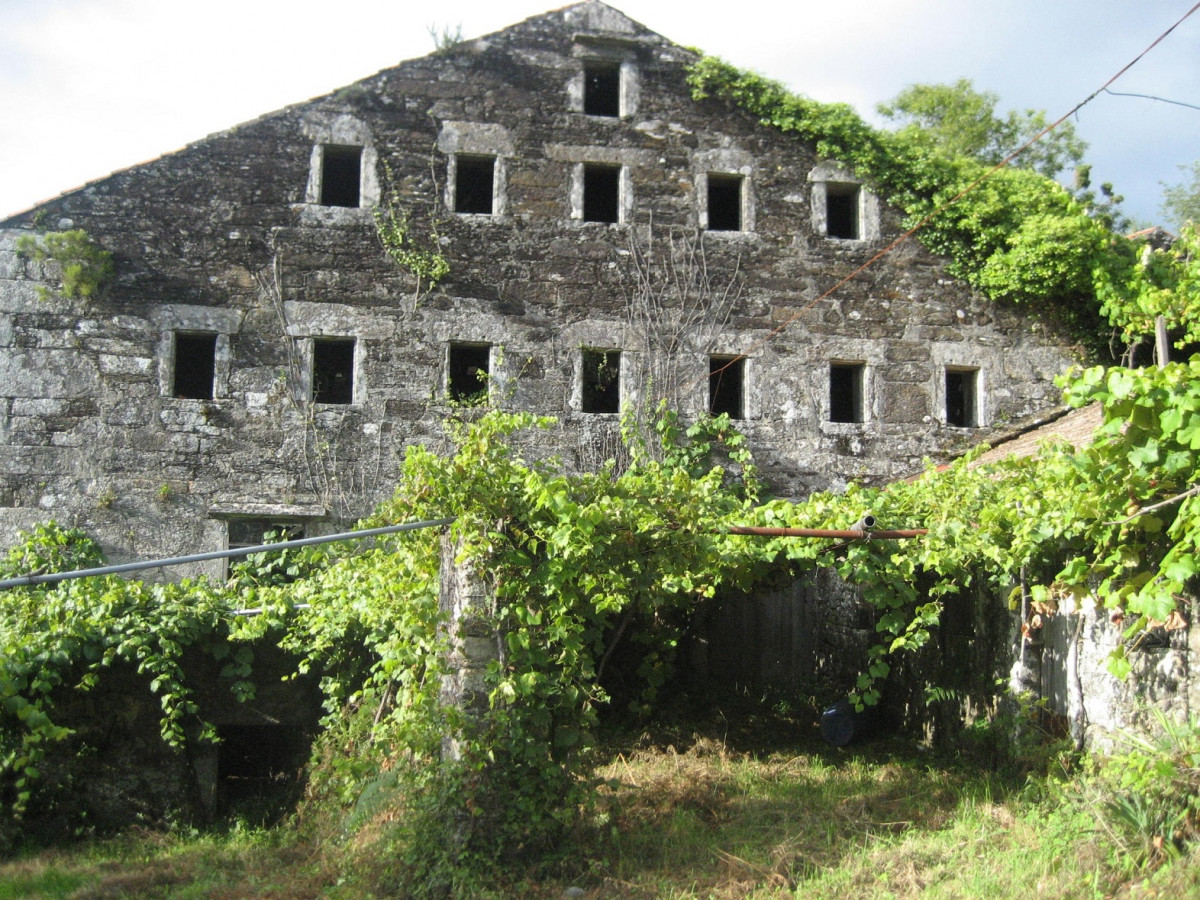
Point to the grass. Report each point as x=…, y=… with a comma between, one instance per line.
x=724, y=817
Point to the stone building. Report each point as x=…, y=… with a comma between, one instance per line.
x=259, y=357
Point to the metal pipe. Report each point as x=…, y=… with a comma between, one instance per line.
x=54, y=577
x=846, y=534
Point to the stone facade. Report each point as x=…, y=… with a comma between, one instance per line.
x=259, y=358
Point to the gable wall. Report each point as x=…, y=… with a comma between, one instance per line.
x=224, y=237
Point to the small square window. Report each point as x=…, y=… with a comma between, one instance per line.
x=333, y=370
x=846, y=392
x=962, y=398
x=474, y=180
x=601, y=193
x=341, y=175
x=602, y=89
x=467, y=372
x=724, y=202
x=254, y=532
x=195, y=366
x=841, y=211
x=726, y=385
x=601, y=381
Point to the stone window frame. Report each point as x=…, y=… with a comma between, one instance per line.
x=745, y=204
x=580, y=392
x=831, y=175
x=477, y=139
x=368, y=186
x=499, y=181
x=312, y=517
x=324, y=128
x=487, y=385
x=186, y=319
x=863, y=374
x=606, y=50
x=725, y=162
x=306, y=357
x=355, y=366
x=624, y=193
x=978, y=396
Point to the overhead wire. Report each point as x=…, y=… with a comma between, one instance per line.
x=1151, y=97
x=783, y=326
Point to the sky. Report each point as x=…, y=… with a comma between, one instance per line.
x=88, y=87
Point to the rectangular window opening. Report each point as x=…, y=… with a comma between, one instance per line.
x=962, y=398
x=601, y=381
x=341, y=175
x=602, y=89
x=846, y=392
x=195, y=366
x=724, y=202
x=601, y=193
x=333, y=370
x=468, y=367
x=726, y=383
x=252, y=532
x=474, y=178
x=841, y=211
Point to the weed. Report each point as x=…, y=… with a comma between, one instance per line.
x=686, y=816
x=1150, y=793
x=84, y=266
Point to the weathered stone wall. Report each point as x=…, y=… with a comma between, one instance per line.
x=1066, y=662
x=226, y=237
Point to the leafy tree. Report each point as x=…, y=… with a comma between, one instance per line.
x=960, y=121
x=1181, y=202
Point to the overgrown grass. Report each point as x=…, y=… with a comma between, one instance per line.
x=685, y=816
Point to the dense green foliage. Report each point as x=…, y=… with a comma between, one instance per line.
x=1156, y=282
x=66, y=636
x=578, y=565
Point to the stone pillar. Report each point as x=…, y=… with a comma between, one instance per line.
x=472, y=640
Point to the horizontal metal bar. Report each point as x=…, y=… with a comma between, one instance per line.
x=846, y=534
x=54, y=577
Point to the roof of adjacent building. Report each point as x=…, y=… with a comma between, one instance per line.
x=1075, y=426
